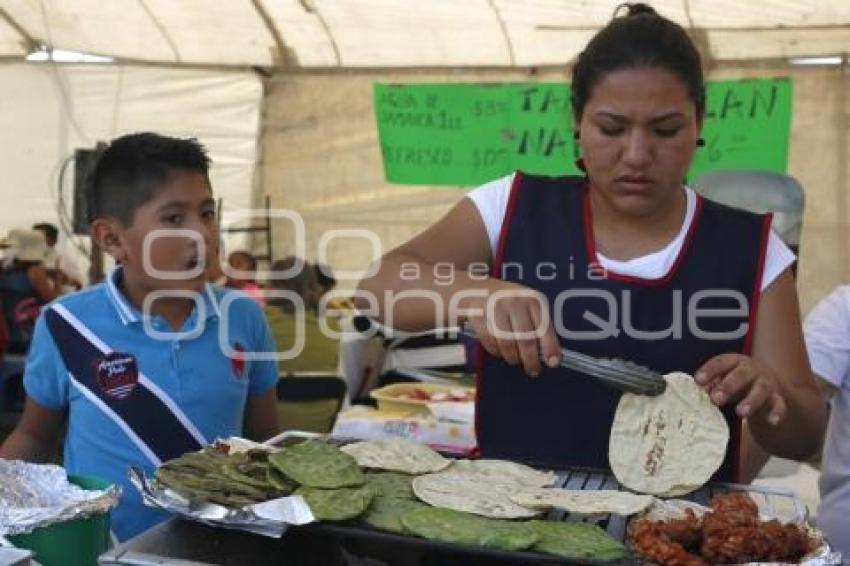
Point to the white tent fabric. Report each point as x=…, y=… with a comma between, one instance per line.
x=49, y=110
x=402, y=33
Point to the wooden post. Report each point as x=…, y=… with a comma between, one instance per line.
x=96, y=268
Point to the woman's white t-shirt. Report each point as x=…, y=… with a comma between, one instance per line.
x=491, y=200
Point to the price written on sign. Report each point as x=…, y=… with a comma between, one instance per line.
x=747, y=126
x=465, y=134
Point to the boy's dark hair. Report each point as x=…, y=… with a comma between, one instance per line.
x=51, y=233
x=324, y=276
x=640, y=38
x=132, y=169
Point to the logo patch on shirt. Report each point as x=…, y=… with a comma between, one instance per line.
x=237, y=362
x=117, y=374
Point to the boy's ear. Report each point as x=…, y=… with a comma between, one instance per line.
x=107, y=234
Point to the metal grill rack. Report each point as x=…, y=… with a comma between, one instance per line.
x=776, y=503
x=193, y=544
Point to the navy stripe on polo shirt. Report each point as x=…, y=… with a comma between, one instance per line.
x=209, y=386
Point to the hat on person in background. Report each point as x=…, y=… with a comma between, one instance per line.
x=27, y=245
x=8, y=240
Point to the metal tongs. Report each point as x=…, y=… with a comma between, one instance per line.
x=614, y=372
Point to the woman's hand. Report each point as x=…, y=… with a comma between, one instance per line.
x=735, y=378
x=513, y=323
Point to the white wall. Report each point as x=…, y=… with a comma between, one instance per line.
x=46, y=111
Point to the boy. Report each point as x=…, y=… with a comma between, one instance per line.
x=136, y=362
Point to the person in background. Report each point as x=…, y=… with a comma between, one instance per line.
x=60, y=265
x=600, y=263
x=4, y=328
x=25, y=287
x=324, y=277
x=337, y=306
x=5, y=245
x=242, y=266
x=146, y=366
x=320, y=352
x=215, y=272
x=827, y=331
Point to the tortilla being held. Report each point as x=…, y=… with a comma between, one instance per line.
x=667, y=445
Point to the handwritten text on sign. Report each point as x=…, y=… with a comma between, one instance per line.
x=465, y=134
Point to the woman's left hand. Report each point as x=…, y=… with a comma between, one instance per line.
x=735, y=378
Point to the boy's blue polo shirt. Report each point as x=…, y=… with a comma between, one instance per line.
x=205, y=383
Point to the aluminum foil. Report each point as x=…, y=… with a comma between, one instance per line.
x=37, y=495
x=269, y=518
x=822, y=555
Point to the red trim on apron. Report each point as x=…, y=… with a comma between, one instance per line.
x=495, y=269
x=593, y=258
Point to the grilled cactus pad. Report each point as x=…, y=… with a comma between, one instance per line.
x=318, y=464
x=231, y=480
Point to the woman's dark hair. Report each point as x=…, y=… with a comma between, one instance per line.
x=639, y=38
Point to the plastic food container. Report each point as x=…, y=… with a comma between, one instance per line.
x=414, y=398
x=78, y=542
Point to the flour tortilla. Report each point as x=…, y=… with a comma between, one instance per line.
x=667, y=445
x=502, y=471
x=585, y=502
x=470, y=494
x=396, y=455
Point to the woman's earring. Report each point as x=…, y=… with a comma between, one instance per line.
x=579, y=160
x=700, y=142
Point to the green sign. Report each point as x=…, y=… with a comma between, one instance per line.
x=747, y=126
x=466, y=134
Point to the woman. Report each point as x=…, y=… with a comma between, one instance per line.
x=24, y=287
x=625, y=262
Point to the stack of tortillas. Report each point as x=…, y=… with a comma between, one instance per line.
x=502, y=471
x=585, y=502
x=667, y=445
x=482, y=487
x=396, y=455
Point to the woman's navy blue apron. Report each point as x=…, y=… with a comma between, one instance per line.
x=563, y=418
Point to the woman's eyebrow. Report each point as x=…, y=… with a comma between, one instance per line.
x=622, y=118
x=667, y=116
x=611, y=115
